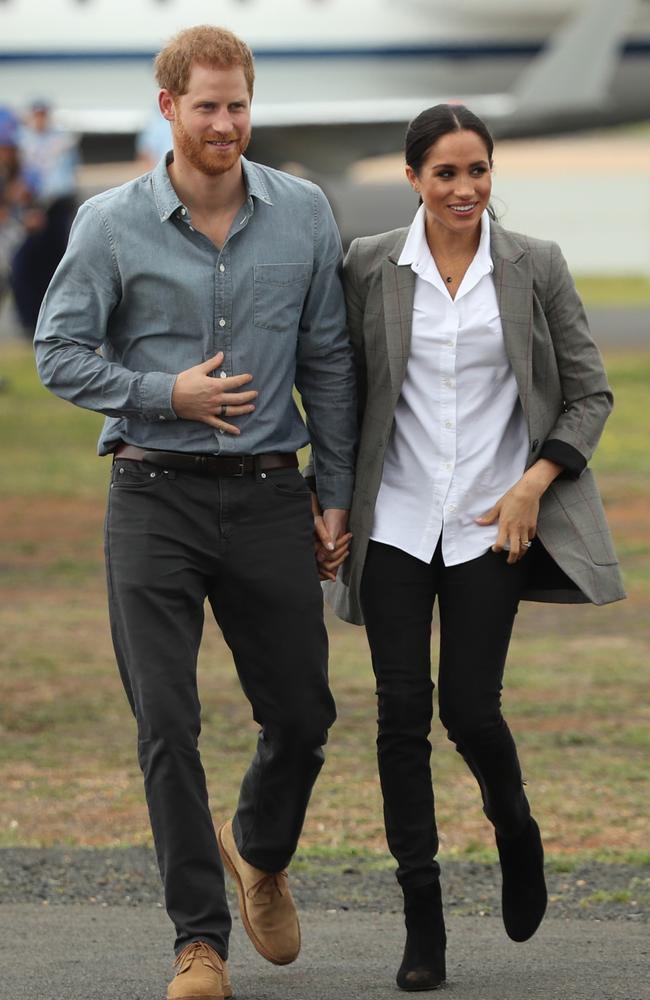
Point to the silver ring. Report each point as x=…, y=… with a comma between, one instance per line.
x=526, y=545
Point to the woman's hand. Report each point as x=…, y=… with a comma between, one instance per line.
x=331, y=541
x=518, y=509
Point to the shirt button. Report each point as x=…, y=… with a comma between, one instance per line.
x=222, y=322
x=160, y=416
x=451, y=508
x=183, y=211
x=448, y=465
x=450, y=343
x=223, y=374
x=221, y=268
x=448, y=423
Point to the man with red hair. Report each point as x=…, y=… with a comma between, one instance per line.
x=212, y=286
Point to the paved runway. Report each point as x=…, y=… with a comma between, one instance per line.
x=79, y=952
x=612, y=329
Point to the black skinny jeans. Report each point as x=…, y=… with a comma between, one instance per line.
x=477, y=602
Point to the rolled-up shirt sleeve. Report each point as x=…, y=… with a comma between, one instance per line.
x=325, y=374
x=72, y=327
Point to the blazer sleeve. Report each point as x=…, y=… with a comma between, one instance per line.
x=355, y=307
x=587, y=396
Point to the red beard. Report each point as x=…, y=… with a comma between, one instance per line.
x=208, y=159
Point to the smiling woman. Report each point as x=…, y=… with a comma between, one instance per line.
x=482, y=398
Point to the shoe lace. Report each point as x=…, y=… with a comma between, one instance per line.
x=197, y=949
x=272, y=883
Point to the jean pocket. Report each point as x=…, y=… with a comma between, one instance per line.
x=279, y=292
x=129, y=474
x=290, y=483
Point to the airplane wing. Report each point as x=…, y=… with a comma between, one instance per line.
x=567, y=86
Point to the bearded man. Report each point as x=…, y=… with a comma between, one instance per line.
x=211, y=286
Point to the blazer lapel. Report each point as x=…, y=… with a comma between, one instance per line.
x=514, y=287
x=398, y=287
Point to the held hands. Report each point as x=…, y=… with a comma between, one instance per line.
x=198, y=396
x=331, y=541
x=518, y=509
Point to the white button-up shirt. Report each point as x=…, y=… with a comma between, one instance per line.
x=459, y=440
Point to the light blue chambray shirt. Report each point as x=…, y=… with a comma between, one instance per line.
x=158, y=297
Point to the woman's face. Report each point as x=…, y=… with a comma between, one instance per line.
x=454, y=182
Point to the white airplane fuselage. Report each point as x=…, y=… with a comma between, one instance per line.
x=362, y=65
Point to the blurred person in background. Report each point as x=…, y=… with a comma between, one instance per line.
x=20, y=216
x=50, y=157
x=481, y=400
x=153, y=141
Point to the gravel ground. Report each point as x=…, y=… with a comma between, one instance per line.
x=129, y=877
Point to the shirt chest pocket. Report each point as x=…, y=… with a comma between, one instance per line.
x=278, y=294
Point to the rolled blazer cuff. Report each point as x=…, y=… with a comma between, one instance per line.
x=573, y=462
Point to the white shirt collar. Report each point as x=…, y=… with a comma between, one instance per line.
x=416, y=251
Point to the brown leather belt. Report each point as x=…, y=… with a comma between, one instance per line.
x=209, y=465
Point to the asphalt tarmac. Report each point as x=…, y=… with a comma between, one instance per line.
x=612, y=329
x=82, y=952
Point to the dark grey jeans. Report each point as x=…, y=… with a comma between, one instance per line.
x=173, y=539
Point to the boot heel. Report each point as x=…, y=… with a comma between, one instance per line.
x=423, y=964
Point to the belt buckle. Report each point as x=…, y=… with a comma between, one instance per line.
x=240, y=472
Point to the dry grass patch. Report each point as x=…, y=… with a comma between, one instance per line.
x=576, y=688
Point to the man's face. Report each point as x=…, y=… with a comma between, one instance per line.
x=211, y=123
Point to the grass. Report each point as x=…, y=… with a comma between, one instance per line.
x=576, y=688
x=629, y=291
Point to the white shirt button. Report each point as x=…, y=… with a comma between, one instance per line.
x=183, y=211
x=448, y=423
x=223, y=374
x=221, y=268
x=451, y=508
x=222, y=322
x=160, y=416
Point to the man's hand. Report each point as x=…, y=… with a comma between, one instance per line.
x=198, y=396
x=331, y=541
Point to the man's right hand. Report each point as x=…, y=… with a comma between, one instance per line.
x=199, y=396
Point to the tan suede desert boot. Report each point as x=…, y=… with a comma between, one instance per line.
x=201, y=974
x=267, y=908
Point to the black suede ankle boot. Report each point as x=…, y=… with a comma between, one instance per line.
x=423, y=963
x=523, y=893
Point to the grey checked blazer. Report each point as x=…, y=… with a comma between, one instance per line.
x=562, y=387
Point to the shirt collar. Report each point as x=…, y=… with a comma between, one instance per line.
x=416, y=249
x=168, y=202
